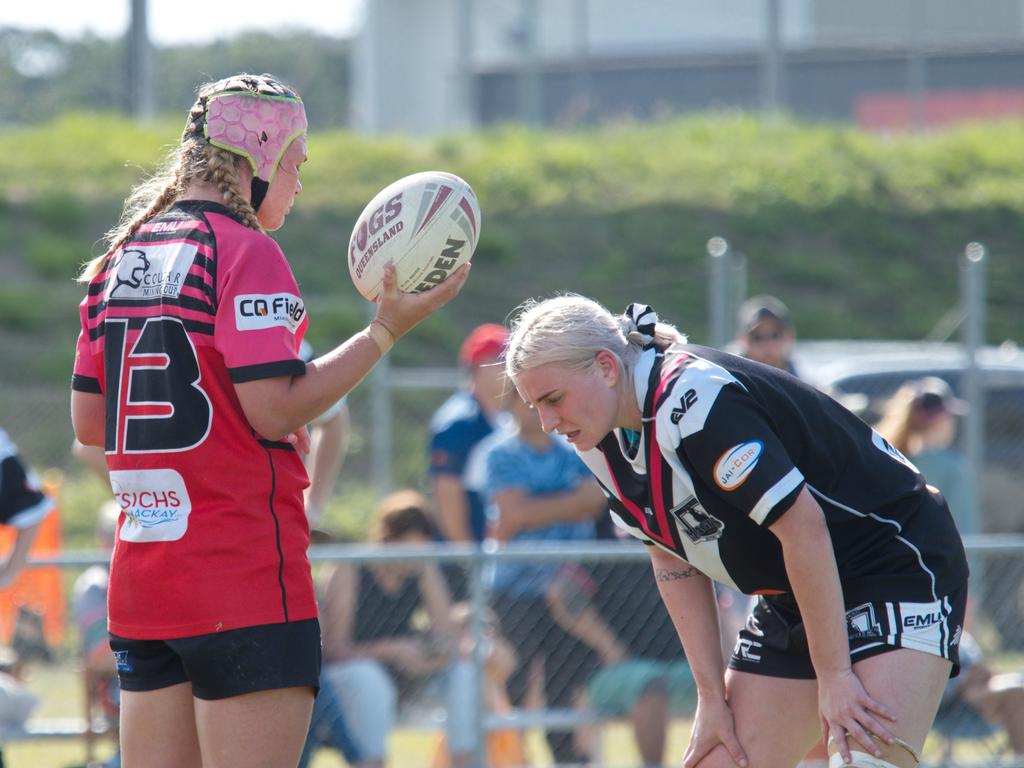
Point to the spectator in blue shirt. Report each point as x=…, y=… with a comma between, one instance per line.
x=457, y=428
x=538, y=490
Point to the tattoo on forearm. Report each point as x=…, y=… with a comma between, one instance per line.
x=664, y=574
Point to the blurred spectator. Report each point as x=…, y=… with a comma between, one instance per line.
x=765, y=332
x=23, y=505
x=16, y=703
x=328, y=435
x=536, y=487
x=373, y=655
x=93, y=458
x=538, y=490
x=89, y=612
x=979, y=702
x=920, y=421
x=628, y=599
x=644, y=690
x=328, y=725
x=458, y=426
x=504, y=746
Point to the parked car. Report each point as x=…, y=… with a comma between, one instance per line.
x=863, y=374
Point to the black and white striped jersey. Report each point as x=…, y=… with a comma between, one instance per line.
x=22, y=501
x=727, y=446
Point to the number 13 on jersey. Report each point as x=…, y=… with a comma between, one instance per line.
x=154, y=403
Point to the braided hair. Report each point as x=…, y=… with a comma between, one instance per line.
x=193, y=159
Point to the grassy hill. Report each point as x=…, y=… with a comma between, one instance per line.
x=859, y=233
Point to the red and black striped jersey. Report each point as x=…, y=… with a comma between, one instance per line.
x=213, y=535
x=727, y=446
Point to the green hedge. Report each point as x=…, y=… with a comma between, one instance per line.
x=859, y=232
x=728, y=162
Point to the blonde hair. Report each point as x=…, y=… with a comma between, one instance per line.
x=193, y=159
x=898, y=423
x=569, y=330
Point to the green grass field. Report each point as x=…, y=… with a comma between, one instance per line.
x=410, y=749
x=59, y=688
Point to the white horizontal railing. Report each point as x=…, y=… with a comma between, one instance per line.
x=987, y=543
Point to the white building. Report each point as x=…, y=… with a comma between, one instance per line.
x=430, y=66
x=416, y=60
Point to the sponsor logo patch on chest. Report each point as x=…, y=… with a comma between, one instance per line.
x=256, y=311
x=698, y=525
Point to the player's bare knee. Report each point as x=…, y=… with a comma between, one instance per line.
x=718, y=757
x=897, y=755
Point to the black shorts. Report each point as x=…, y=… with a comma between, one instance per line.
x=774, y=641
x=224, y=664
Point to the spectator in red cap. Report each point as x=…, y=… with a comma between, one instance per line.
x=483, y=346
x=458, y=426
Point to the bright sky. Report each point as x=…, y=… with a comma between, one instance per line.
x=178, y=21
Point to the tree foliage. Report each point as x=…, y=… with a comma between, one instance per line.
x=45, y=75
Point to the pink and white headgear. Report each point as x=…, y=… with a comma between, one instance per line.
x=258, y=118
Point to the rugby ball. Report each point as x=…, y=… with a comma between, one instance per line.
x=427, y=225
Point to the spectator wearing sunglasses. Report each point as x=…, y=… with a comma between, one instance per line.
x=765, y=332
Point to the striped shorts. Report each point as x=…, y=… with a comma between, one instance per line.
x=774, y=641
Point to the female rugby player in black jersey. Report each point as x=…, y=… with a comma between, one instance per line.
x=736, y=472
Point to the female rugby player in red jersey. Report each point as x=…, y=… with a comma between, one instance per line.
x=188, y=373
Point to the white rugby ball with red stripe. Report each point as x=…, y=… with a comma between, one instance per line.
x=426, y=224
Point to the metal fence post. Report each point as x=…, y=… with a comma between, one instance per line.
x=467, y=64
x=530, y=75
x=718, y=291
x=972, y=299
x=581, y=57
x=917, y=65
x=381, y=410
x=479, y=603
x=737, y=276
x=138, y=62
x=771, y=71
x=972, y=287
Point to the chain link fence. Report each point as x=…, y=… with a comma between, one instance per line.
x=592, y=647
x=596, y=641
x=591, y=642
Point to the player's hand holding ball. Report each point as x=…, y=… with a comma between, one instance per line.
x=400, y=312
x=410, y=248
